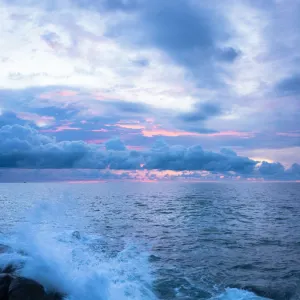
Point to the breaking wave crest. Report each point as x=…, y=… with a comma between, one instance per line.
x=82, y=266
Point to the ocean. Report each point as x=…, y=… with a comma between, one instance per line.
x=167, y=240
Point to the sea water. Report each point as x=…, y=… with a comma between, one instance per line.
x=125, y=240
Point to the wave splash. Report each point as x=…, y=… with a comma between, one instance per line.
x=83, y=266
x=79, y=267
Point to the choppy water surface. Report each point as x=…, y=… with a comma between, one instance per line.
x=157, y=240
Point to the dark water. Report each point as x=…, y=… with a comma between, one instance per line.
x=200, y=238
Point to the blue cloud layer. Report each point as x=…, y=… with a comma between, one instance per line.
x=25, y=147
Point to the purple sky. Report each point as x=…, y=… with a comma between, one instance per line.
x=203, y=89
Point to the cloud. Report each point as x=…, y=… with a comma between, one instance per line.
x=24, y=147
x=60, y=113
x=11, y=118
x=271, y=169
x=202, y=70
x=188, y=33
x=201, y=112
x=228, y=54
x=294, y=171
x=115, y=144
x=228, y=152
x=195, y=158
x=128, y=107
x=127, y=5
x=274, y=171
x=289, y=86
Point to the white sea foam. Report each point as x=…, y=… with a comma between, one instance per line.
x=76, y=265
x=79, y=265
x=75, y=268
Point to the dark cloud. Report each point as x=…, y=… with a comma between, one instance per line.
x=24, y=147
x=201, y=112
x=294, y=171
x=228, y=54
x=275, y=171
x=180, y=158
x=228, y=152
x=115, y=144
x=289, y=86
x=128, y=107
x=190, y=33
x=271, y=169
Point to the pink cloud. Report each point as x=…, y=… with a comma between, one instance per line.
x=96, y=141
x=99, y=130
x=102, y=96
x=150, y=120
x=163, y=132
x=155, y=131
x=37, y=119
x=54, y=94
x=67, y=93
x=130, y=126
x=61, y=128
x=136, y=148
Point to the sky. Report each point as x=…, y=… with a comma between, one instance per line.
x=150, y=90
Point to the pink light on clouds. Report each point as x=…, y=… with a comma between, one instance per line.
x=163, y=132
x=103, y=96
x=40, y=121
x=67, y=93
x=54, y=94
x=99, y=130
x=155, y=131
x=130, y=126
x=61, y=128
x=150, y=120
x=136, y=148
x=96, y=141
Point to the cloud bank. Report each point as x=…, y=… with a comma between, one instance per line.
x=24, y=147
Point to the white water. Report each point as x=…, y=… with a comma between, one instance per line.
x=81, y=266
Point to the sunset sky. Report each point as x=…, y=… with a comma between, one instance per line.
x=150, y=90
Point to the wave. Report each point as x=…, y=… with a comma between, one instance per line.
x=79, y=267
x=83, y=266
